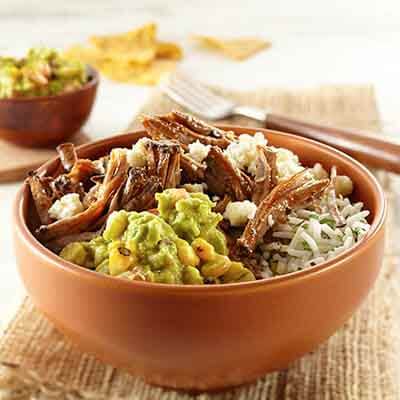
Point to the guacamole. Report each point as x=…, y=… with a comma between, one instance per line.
x=191, y=216
x=43, y=72
x=181, y=244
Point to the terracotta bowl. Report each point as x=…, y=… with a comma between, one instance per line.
x=204, y=337
x=47, y=120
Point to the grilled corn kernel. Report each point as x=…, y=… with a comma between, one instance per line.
x=116, y=225
x=216, y=267
x=203, y=249
x=191, y=276
x=235, y=272
x=186, y=254
x=120, y=260
x=248, y=276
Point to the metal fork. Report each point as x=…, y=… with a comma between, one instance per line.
x=364, y=146
x=202, y=101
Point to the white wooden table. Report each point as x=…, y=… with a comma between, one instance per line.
x=312, y=44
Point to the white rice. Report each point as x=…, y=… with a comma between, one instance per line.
x=311, y=237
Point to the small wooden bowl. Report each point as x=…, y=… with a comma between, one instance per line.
x=47, y=120
x=204, y=337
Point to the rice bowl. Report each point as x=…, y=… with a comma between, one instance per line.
x=268, y=322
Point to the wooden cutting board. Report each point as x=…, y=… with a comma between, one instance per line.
x=16, y=162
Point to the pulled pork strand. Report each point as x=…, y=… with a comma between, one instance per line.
x=298, y=190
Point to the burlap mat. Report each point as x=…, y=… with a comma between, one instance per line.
x=358, y=362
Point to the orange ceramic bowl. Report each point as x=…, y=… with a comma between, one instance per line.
x=204, y=337
x=43, y=121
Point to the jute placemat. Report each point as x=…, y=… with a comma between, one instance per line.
x=358, y=362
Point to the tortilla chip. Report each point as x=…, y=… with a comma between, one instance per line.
x=236, y=49
x=136, y=73
x=87, y=55
x=137, y=46
x=133, y=57
x=169, y=50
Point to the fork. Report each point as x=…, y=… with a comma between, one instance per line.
x=363, y=146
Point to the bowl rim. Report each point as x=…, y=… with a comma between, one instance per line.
x=23, y=231
x=93, y=81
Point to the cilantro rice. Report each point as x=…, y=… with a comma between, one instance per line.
x=311, y=236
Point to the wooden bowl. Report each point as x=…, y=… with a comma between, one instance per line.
x=204, y=337
x=43, y=121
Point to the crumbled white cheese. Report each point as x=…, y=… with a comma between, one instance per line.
x=287, y=163
x=319, y=172
x=119, y=150
x=195, y=187
x=198, y=151
x=243, y=152
x=136, y=156
x=68, y=206
x=239, y=212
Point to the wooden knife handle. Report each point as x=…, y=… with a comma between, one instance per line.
x=363, y=146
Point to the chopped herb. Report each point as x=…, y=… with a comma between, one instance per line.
x=356, y=231
x=329, y=222
x=306, y=246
